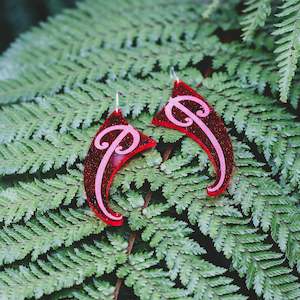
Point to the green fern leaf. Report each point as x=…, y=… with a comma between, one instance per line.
x=256, y=13
x=98, y=290
x=23, y=200
x=146, y=282
x=60, y=270
x=288, y=50
x=57, y=86
x=45, y=232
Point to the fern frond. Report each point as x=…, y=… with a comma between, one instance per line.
x=62, y=269
x=105, y=63
x=295, y=93
x=46, y=232
x=82, y=107
x=264, y=40
x=170, y=240
x=235, y=96
x=224, y=15
x=255, y=15
x=30, y=156
x=23, y=200
x=68, y=70
x=144, y=169
x=45, y=117
x=134, y=24
x=288, y=50
x=44, y=154
x=169, y=237
x=147, y=282
x=259, y=196
x=60, y=150
x=276, y=134
x=210, y=8
x=231, y=233
x=271, y=208
x=252, y=257
x=287, y=168
x=96, y=290
x=253, y=67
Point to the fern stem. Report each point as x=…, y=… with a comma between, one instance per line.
x=134, y=234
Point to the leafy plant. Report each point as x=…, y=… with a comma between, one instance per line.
x=286, y=15
x=58, y=83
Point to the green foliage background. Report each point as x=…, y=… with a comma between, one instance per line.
x=17, y=16
x=57, y=85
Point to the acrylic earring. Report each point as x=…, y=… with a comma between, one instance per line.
x=113, y=145
x=189, y=113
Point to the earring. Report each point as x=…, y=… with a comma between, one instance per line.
x=114, y=144
x=189, y=113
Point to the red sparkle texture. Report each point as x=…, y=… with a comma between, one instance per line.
x=113, y=145
x=189, y=113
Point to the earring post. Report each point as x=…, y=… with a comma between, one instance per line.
x=117, y=102
x=173, y=74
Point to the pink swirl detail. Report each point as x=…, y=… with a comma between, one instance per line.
x=191, y=118
x=111, y=149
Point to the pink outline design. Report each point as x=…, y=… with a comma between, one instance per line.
x=196, y=118
x=111, y=149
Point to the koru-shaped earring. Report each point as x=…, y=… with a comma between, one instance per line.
x=116, y=142
x=188, y=112
x=113, y=145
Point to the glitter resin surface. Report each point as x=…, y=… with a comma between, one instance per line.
x=188, y=112
x=114, y=144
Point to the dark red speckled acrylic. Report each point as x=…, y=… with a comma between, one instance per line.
x=183, y=110
x=111, y=163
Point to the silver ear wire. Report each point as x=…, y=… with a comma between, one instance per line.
x=173, y=74
x=117, y=101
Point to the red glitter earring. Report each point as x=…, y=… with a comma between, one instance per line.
x=114, y=144
x=188, y=112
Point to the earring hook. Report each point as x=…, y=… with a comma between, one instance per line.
x=117, y=101
x=173, y=74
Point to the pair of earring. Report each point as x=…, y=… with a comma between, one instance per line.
x=117, y=141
